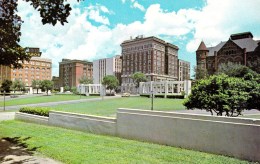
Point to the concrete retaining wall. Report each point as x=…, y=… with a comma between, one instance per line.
x=94, y=124
x=31, y=118
x=240, y=140
x=236, y=137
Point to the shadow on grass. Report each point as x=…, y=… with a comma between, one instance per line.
x=16, y=146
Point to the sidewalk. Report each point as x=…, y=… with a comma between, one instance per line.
x=17, y=107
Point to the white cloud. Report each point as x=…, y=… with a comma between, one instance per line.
x=138, y=6
x=135, y=4
x=94, y=14
x=218, y=19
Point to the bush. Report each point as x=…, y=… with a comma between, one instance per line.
x=41, y=111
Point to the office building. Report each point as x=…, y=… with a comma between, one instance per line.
x=70, y=71
x=107, y=66
x=37, y=68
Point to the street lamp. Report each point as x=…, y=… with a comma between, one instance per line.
x=152, y=101
x=4, y=100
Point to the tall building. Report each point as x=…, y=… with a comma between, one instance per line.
x=154, y=57
x=107, y=66
x=240, y=48
x=183, y=70
x=37, y=68
x=70, y=71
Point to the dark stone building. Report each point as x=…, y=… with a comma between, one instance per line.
x=240, y=49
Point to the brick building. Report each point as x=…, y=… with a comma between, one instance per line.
x=107, y=66
x=70, y=71
x=240, y=49
x=37, y=68
x=154, y=57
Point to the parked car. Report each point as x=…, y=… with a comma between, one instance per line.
x=126, y=94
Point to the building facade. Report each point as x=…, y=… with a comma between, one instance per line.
x=70, y=71
x=37, y=68
x=183, y=70
x=154, y=57
x=240, y=49
x=107, y=66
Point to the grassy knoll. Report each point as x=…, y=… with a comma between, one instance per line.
x=70, y=146
x=41, y=99
x=109, y=107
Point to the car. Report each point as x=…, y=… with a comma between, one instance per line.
x=126, y=94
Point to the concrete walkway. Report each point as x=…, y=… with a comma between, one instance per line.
x=46, y=104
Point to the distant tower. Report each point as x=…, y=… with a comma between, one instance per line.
x=201, y=55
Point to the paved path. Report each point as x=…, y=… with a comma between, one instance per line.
x=17, y=107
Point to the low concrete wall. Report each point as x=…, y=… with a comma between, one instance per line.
x=235, y=139
x=94, y=124
x=194, y=116
x=31, y=118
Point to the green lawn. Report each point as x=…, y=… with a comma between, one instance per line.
x=42, y=99
x=70, y=146
x=256, y=116
x=109, y=107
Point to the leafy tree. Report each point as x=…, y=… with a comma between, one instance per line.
x=66, y=88
x=111, y=82
x=220, y=94
x=18, y=85
x=46, y=85
x=200, y=73
x=36, y=84
x=10, y=25
x=137, y=78
x=74, y=90
x=235, y=70
x=85, y=80
x=6, y=85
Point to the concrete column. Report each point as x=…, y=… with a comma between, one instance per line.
x=166, y=89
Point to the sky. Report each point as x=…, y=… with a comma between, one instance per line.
x=96, y=28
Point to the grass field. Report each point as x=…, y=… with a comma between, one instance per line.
x=256, y=116
x=109, y=107
x=42, y=99
x=70, y=146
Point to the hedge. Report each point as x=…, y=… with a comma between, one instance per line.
x=41, y=111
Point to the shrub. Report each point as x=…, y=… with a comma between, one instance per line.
x=41, y=111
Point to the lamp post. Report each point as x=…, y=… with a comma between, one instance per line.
x=152, y=101
x=79, y=91
x=4, y=100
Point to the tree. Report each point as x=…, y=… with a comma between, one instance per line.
x=234, y=70
x=66, y=88
x=6, y=85
x=85, y=80
x=220, y=94
x=252, y=78
x=36, y=84
x=137, y=78
x=46, y=85
x=10, y=25
x=111, y=82
x=18, y=85
x=200, y=73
